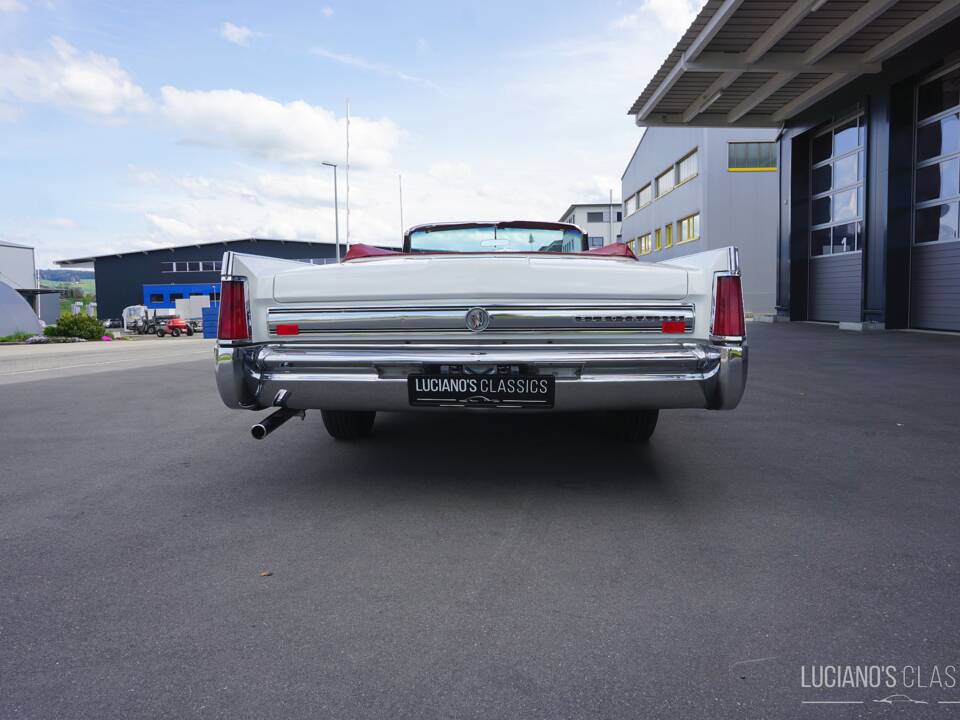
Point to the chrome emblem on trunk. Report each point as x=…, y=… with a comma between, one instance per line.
x=477, y=319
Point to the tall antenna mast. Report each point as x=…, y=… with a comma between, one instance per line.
x=348, y=173
x=400, y=181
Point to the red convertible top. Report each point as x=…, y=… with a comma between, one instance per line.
x=360, y=250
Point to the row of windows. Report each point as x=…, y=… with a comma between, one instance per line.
x=684, y=169
x=601, y=217
x=215, y=265
x=174, y=296
x=837, y=187
x=937, y=178
x=191, y=266
x=688, y=230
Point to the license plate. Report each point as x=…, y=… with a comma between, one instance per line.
x=482, y=390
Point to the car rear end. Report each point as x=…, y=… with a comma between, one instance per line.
x=497, y=333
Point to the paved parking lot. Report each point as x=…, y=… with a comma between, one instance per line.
x=482, y=566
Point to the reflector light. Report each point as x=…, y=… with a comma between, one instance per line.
x=672, y=326
x=233, y=311
x=728, y=313
x=288, y=329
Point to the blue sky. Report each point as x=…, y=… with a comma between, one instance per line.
x=134, y=125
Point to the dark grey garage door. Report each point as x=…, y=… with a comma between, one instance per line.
x=835, y=288
x=836, y=222
x=935, y=258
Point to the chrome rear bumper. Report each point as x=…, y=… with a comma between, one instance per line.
x=683, y=374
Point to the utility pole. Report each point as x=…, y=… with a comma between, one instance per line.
x=348, y=173
x=612, y=239
x=400, y=181
x=336, y=209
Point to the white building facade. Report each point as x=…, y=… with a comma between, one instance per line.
x=692, y=189
x=600, y=221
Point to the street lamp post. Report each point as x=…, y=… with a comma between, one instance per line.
x=336, y=209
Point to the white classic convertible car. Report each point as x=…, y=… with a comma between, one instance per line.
x=483, y=317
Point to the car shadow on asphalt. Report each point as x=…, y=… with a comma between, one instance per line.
x=569, y=455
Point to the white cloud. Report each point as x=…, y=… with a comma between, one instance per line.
x=674, y=15
x=67, y=78
x=237, y=34
x=11, y=6
x=174, y=228
x=449, y=170
x=62, y=222
x=379, y=68
x=294, y=132
x=326, y=11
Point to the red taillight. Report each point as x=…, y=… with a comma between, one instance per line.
x=728, y=313
x=288, y=329
x=672, y=326
x=233, y=311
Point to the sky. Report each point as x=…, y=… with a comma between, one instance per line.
x=134, y=125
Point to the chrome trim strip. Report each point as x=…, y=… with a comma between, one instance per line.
x=636, y=318
x=273, y=357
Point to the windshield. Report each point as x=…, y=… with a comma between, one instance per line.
x=494, y=238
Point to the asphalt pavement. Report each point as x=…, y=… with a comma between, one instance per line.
x=157, y=562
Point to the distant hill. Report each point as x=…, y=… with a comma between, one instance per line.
x=66, y=275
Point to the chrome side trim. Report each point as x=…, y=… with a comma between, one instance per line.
x=636, y=318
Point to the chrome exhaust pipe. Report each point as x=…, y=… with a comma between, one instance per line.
x=274, y=420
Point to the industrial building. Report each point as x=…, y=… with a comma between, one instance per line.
x=866, y=95
x=18, y=270
x=122, y=277
x=600, y=221
x=692, y=189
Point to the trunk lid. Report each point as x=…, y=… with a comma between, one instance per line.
x=481, y=278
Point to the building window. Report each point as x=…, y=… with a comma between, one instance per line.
x=192, y=266
x=630, y=205
x=687, y=167
x=643, y=245
x=688, y=229
x=665, y=182
x=751, y=156
x=836, y=189
x=595, y=217
x=937, y=173
x=643, y=196
x=668, y=236
x=156, y=297
x=619, y=216
x=176, y=296
x=595, y=241
x=657, y=243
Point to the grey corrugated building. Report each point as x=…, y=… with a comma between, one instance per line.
x=692, y=189
x=866, y=94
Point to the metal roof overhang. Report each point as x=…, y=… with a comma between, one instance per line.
x=758, y=63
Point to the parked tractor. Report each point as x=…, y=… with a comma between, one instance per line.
x=176, y=326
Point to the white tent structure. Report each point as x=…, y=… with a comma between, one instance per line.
x=16, y=315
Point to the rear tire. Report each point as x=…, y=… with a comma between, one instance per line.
x=632, y=425
x=160, y=333
x=175, y=332
x=348, y=424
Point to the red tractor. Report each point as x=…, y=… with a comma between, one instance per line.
x=176, y=326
